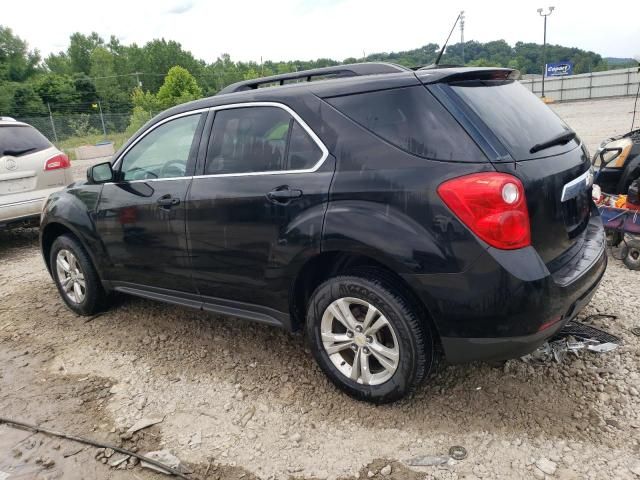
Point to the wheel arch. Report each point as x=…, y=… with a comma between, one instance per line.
x=328, y=264
x=53, y=230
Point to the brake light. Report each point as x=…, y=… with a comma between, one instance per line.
x=492, y=205
x=57, y=162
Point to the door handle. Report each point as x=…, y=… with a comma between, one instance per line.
x=283, y=194
x=167, y=201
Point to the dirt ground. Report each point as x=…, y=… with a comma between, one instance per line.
x=240, y=400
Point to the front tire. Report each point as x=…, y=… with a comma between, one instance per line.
x=368, y=338
x=75, y=276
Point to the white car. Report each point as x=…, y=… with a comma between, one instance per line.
x=31, y=169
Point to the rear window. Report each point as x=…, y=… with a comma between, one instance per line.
x=17, y=140
x=411, y=119
x=516, y=116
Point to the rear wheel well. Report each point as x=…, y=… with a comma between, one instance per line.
x=330, y=264
x=49, y=235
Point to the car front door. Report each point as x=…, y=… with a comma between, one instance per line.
x=141, y=215
x=256, y=208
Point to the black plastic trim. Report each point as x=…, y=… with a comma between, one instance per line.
x=243, y=310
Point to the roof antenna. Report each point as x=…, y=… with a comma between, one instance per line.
x=445, y=43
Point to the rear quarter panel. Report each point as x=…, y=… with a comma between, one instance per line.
x=384, y=203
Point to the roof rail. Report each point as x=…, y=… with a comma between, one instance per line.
x=338, y=71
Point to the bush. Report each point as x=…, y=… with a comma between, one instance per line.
x=138, y=118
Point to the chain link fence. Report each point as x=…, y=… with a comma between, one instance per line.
x=59, y=128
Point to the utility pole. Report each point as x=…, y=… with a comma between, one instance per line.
x=138, y=82
x=53, y=125
x=544, y=45
x=462, y=34
x=104, y=130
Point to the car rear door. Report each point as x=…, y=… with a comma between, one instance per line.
x=141, y=215
x=255, y=211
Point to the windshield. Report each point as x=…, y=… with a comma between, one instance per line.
x=517, y=117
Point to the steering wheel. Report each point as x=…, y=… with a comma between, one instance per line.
x=139, y=173
x=173, y=168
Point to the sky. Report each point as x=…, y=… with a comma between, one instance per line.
x=310, y=29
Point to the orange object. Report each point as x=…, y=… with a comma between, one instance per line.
x=621, y=201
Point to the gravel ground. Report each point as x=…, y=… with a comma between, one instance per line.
x=240, y=400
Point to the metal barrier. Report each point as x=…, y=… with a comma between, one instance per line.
x=612, y=83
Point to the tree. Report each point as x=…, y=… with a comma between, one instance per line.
x=80, y=49
x=17, y=62
x=58, y=91
x=85, y=88
x=179, y=86
x=59, y=63
x=27, y=102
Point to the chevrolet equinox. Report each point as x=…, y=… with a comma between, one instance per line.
x=393, y=215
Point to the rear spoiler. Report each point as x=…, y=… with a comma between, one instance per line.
x=447, y=75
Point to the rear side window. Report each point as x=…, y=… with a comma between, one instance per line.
x=411, y=119
x=303, y=151
x=17, y=140
x=259, y=139
x=515, y=115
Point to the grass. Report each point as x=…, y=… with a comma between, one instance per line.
x=69, y=144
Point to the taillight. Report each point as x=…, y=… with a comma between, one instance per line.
x=56, y=162
x=492, y=205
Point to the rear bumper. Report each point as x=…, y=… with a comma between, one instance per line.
x=21, y=211
x=462, y=350
x=28, y=205
x=508, y=303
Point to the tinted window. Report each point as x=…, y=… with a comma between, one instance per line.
x=304, y=153
x=248, y=140
x=19, y=140
x=516, y=116
x=411, y=119
x=163, y=153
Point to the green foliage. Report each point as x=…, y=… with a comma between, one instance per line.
x=138, y=118
x=17, y=62
x=80, y=49
x=145, y=100
x=27, y=101
x=179, y=87
x=81, y=127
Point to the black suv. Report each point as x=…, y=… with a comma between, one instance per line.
x=389, y=213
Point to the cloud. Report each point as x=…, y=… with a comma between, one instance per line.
x=181, y=8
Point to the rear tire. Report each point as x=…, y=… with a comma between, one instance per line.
x=75, y=276
x=368, y=338
x=631, y=254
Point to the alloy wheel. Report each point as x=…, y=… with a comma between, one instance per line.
x=70, y=276
x=360, y=341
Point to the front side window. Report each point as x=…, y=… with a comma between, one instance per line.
x=259, y=139
x=163, y=153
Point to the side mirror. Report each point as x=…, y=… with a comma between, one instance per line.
x=100, y=173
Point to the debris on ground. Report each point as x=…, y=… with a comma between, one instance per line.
x=573, y=337
x=144, y=423
x=166, y=458
x=386, y=470
x=458, y=452
x=546, y=466
x=427, y=460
